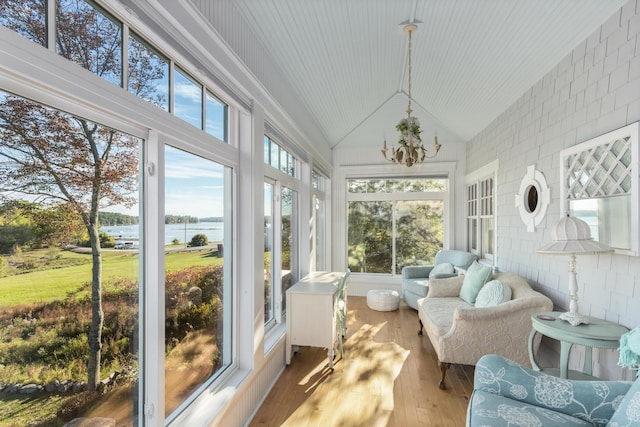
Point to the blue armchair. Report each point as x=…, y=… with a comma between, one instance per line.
x=508, y=394
x=415, y=278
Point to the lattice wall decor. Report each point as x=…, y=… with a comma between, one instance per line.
x=600, y=184
x=601, y=171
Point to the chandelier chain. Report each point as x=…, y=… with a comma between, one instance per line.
x=409, y=107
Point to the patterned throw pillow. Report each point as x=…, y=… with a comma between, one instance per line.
x=442, y=268
x=628, y=413
x=474, y=279
x=493, y=293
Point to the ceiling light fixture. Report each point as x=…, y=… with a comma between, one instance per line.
x=410, y=149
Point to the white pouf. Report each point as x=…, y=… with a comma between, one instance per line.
x=383, y=300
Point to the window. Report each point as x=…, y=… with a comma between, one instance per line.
x=600, y=186
x=282, y=230
x=148, y=73
x=318, y=221
x=187, y=98
x=216, y=117
x=29, y=19
x=197, y=290
x=278, y=157
x=92, y=38
x=89, y=37
x=62, y=324
x=480, y=206
x=394, y=222
x=288, y=242
x=269, y=231
x=46, y=235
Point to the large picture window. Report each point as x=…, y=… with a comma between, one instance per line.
x=394, y=222
x=69, y=272
x=197, y=291
x=75, y=204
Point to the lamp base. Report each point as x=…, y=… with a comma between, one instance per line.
x=574, y=319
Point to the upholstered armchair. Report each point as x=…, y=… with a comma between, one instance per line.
x=508, y=394
x=415, y=278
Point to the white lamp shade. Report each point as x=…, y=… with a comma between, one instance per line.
x=572, y=235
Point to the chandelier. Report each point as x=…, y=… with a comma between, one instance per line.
x=410, y=149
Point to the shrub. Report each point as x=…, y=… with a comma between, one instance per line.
x=106, y=241
x=199, y=239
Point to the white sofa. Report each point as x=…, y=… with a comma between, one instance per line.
x=462, y=333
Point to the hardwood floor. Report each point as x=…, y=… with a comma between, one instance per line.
x=388, y=377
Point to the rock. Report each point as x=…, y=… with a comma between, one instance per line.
x=52, y=386
x=30, y=389
x=195, y=295
x=12, y=388
x=78, y=387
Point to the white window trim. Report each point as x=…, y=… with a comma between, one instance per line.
x=63, y=85
x=489, y=170
x=339, y=189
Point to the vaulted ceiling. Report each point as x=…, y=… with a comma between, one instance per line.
x=346, y=60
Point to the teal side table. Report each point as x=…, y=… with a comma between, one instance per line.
x=598, y=333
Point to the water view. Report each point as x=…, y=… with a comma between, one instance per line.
x=183, y=232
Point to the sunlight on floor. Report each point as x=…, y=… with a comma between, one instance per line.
x=360, y=388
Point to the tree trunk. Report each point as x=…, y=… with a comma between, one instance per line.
x=97, y=315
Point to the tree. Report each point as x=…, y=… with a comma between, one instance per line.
x=199, y=239
x=52, y=155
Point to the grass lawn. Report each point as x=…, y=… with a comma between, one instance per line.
x=48, y=285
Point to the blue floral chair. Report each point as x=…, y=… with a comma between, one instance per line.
x=508, y=394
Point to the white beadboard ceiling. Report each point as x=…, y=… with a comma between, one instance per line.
x=345, y=60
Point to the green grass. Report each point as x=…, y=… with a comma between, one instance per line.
x=49, y=285
x=41, y=407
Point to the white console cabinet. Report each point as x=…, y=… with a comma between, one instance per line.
x=311, y=319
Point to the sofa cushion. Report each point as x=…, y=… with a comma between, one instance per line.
x=440, y=311
x=628, y=413
x=443, y=268
x=475, y=277
x=416, y=286
x=493, y=293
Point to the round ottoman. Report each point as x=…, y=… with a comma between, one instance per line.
x=383, y=300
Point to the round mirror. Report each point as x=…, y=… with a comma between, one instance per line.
x=533, y=198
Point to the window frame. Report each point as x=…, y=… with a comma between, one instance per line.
x=281, y=179
x=95, y=99
x=481, y=187
x=339, y=244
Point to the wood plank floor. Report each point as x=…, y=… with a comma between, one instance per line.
x=388, y=377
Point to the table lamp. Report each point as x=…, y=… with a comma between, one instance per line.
x=572, y=236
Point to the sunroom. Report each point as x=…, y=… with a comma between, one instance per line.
x=171, y=169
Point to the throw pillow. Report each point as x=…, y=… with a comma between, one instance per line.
x=442, y=268
x=628, y=413
x=493, y=293
x=474, y=279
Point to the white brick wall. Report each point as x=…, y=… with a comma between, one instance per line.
x=593, y=90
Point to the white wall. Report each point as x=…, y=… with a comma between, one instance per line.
x=593, y=90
